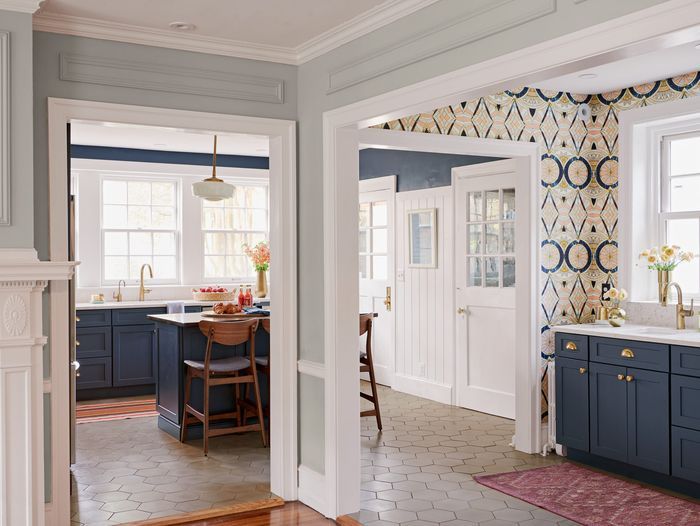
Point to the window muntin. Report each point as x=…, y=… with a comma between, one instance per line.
x=374, y=241
x=680, y=203
x=491, y=238
x=228, y=225
x=139, y=225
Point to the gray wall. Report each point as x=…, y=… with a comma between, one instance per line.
x=448, y=38
x=20, y=233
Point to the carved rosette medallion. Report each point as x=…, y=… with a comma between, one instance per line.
x=14, y=315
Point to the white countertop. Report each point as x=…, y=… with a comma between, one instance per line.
x=644, y=333
x=139, y=304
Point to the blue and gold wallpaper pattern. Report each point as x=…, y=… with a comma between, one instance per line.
x=579, y=183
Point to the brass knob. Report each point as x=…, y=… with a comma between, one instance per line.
x=77, y=319
x=620, y=376
x=461, y=310
x=77, y=343
x=629, y=378
x=627, y=353
x=581, y=370
x=571, y=346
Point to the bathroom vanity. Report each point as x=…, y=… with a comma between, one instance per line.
x=628, y=400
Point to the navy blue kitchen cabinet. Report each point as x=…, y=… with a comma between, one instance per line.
x=642, y=407
x=95, y=373
x=572, y=388
x=93, y=342
x=608, y=403
x=134, y=355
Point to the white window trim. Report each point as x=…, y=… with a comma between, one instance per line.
x=189, y=223
x=641, y=133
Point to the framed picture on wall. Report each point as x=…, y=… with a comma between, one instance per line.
x=422, y=238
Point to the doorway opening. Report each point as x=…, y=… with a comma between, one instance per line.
x=133, y=210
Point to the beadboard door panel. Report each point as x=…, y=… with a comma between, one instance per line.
x=425, y=302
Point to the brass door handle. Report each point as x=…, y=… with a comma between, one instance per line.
x=581, y=370
x=461, y=310
x=627, y=353
x=629, y=378
x=387, y=299
x=571, y=346
x=620, y=376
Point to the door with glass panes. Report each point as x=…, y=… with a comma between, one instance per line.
x=376, y=264
x=485, y=217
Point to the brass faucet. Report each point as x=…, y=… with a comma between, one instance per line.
x=118, y=295
x=681, y=312
x=142, y=290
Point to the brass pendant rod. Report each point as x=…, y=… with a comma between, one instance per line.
x=213, y=177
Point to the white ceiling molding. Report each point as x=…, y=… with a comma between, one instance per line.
x=23, y=6
x=356, y=27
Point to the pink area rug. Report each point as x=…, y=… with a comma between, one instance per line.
x=594, y=499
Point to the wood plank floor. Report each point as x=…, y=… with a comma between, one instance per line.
x=291, y=514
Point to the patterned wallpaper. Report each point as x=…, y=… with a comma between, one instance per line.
x=578, y=193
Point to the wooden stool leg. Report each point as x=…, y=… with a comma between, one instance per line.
x=237, y=405
x=206, y=415
x=258, y=403
x=183, y=425
x=375, y=398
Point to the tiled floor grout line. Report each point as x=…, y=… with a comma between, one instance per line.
x=419, y=470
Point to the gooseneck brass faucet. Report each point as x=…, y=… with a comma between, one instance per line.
x=681, y=312
x=117, y=296
x=142, y=290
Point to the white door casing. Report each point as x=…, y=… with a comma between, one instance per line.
x=376, y=270
x=486, y=245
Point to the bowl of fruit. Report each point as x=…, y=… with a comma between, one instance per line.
x=212, y=294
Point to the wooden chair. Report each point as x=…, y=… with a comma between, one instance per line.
x=236, y=370
x=263, y=366
x=367, y=366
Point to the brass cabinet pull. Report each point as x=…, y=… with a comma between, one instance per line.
x=627, y=353
x=77, y=319
x=571, y=346
x=620, y=376
x=629, y=378
x=77, y=343
x=581, y=370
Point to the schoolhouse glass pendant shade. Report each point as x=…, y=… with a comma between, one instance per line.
x=212, y=188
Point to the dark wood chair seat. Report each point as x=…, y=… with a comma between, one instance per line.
x=224, y=365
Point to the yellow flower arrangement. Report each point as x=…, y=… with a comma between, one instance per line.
x=666, y=257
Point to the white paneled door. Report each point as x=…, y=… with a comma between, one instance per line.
x=485, y=262
x=376, y=252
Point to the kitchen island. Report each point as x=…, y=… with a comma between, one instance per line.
x=178, y=338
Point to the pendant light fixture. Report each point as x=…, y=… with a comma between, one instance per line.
x=212, y=188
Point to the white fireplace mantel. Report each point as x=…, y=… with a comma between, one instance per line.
x=22, y=279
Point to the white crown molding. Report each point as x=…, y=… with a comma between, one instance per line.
x=22, y=6
x=349, y=30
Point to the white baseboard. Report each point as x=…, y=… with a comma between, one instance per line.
x=424, y=388
x=382, y=374
x=312, y=489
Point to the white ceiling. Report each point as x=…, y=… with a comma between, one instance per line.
x=289, y=31
x=154, y=138
x=628, y=72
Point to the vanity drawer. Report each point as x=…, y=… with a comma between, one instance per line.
x=93, y=318
x=571, y=345
x=685, y=360
x=685, y=401
x=135, y=316
x=685, y=453
x=93, y=342
x=642, y=355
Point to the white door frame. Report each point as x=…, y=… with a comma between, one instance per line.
x=527, y=296
x=283, y=244
x=664, y=25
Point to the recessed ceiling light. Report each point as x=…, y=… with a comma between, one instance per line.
x=587, y=76
x=181, y=26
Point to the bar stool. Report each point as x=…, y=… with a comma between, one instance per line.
x=367, y=366
x=263, y=363
x=236, y=370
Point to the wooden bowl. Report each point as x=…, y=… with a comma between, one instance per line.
x=213, y=296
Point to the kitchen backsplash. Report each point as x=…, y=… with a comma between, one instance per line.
x=579, y=193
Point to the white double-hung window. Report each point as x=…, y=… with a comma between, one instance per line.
x=229, y=225
x=139, y=225
x=679, y=218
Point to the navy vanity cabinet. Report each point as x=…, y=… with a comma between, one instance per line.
x=95, y=373
x=93, y=350
x=608, y=403
x=648, y=420
x=134, y=355
x=572, y=402
x=685, y=450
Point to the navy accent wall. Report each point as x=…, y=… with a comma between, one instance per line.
x=109, y=153
x=414, y=170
